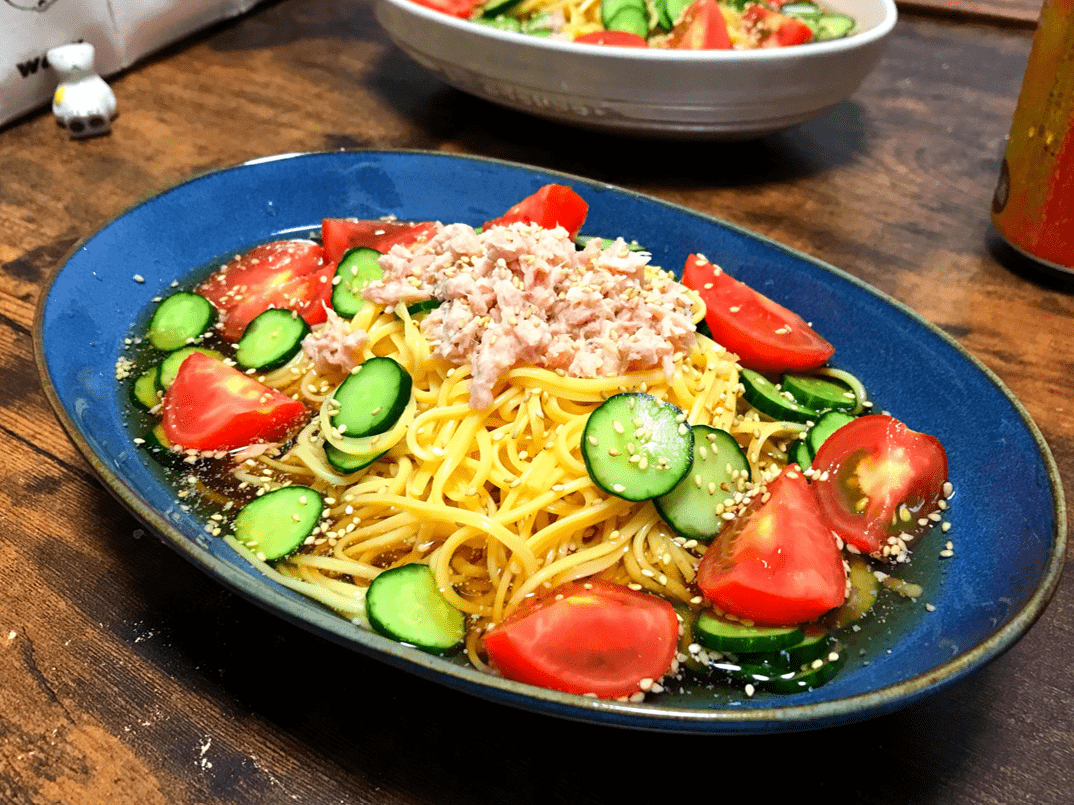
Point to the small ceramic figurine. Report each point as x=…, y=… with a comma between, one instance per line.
x=83, y=104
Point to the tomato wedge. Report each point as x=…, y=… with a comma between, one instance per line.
x=877, y=481
x=213, y=406
x=340, y=234
x=456, y=8
x=553, y=205
x=289, y=274
x=770, y=29
x=702, y=27
x=624, y=39
x=763, y=334
x=777, y=563
x=592, y=637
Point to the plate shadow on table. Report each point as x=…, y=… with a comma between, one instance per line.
x=283, y=689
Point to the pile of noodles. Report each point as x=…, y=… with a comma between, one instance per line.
x=498, y=501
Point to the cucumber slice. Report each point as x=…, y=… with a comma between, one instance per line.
x=145, y=390
x=781, y=680
x=625, y=15
x=766, y=397
x=718, y=468
x=800, y=8
x=828, y=424
x=800, y=454
x=405, y=605
x=357, y=268
x=371, y=399
x=495, y=8
x=636, y=446
x=668, y=12
x=277, y=523
x=583, y=240
x=820, y=393
x=271, y=339
x=349, y=462
x=159, y=445
x=179, y=319
x=169, y=367
x=423, y=306
x=500, y=23
x=830, y=26
x=817, y=644
x=730, y=637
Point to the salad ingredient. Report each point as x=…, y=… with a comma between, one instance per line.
x=820, y=393
x=720, y=469
x=404, y=604
x=371, y=400
x=551, y=206
x=357, y=268
x=768, y=398
x=732, y=637
x=276, y=523
x=768, y=28
x=169, y=367
x=592, y=637
x=777, y=562
x=289, y=274
x=180, y=319
x=636, y=447
x=620, y=38
x=271, y=339
x=630, y=16
x=764, y=335
x=456, y=8
x=145, y=391
x=702, y=27
x=340, y=235
x=878, y=482
x=829, y=423
x=213, y=406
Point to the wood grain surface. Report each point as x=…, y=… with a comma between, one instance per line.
x=128, y=677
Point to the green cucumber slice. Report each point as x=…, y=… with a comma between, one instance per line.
x=637, y=447
x=179, y=319
x=800, y=454
x=271, y=339
x=718, y=470
x=820, y=393
x=830, y=26
x=145, y=390
x=766, y=397
x=824, y=427
x=169, y=367
x=730, y=637
x=277, y=523
x=357, y=268
x=787, y=681
x=371, y=400
x=625, y=15
x=404, y=604
x=349, y=462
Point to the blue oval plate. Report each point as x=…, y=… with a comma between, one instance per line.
x=1008, y=529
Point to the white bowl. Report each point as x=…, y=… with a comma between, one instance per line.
x=671, y=93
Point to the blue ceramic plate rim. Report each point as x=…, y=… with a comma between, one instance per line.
x=264, y=189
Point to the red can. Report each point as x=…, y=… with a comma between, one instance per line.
x=1033, y=207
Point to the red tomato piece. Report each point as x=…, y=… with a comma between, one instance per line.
x=289, y=274
x=456, y=8
x=777, y=563
x=553, y=205
x=624, y=39
x=763, y=334
x=876, y=479
x=213, y=406
x=702, y=27
x=769, y=29
x=587, y=637
x=340, y=234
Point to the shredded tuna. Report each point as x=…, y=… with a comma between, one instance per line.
x=334, y=346
x=523, y=295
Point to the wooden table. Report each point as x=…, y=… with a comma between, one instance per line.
x=126, y=676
